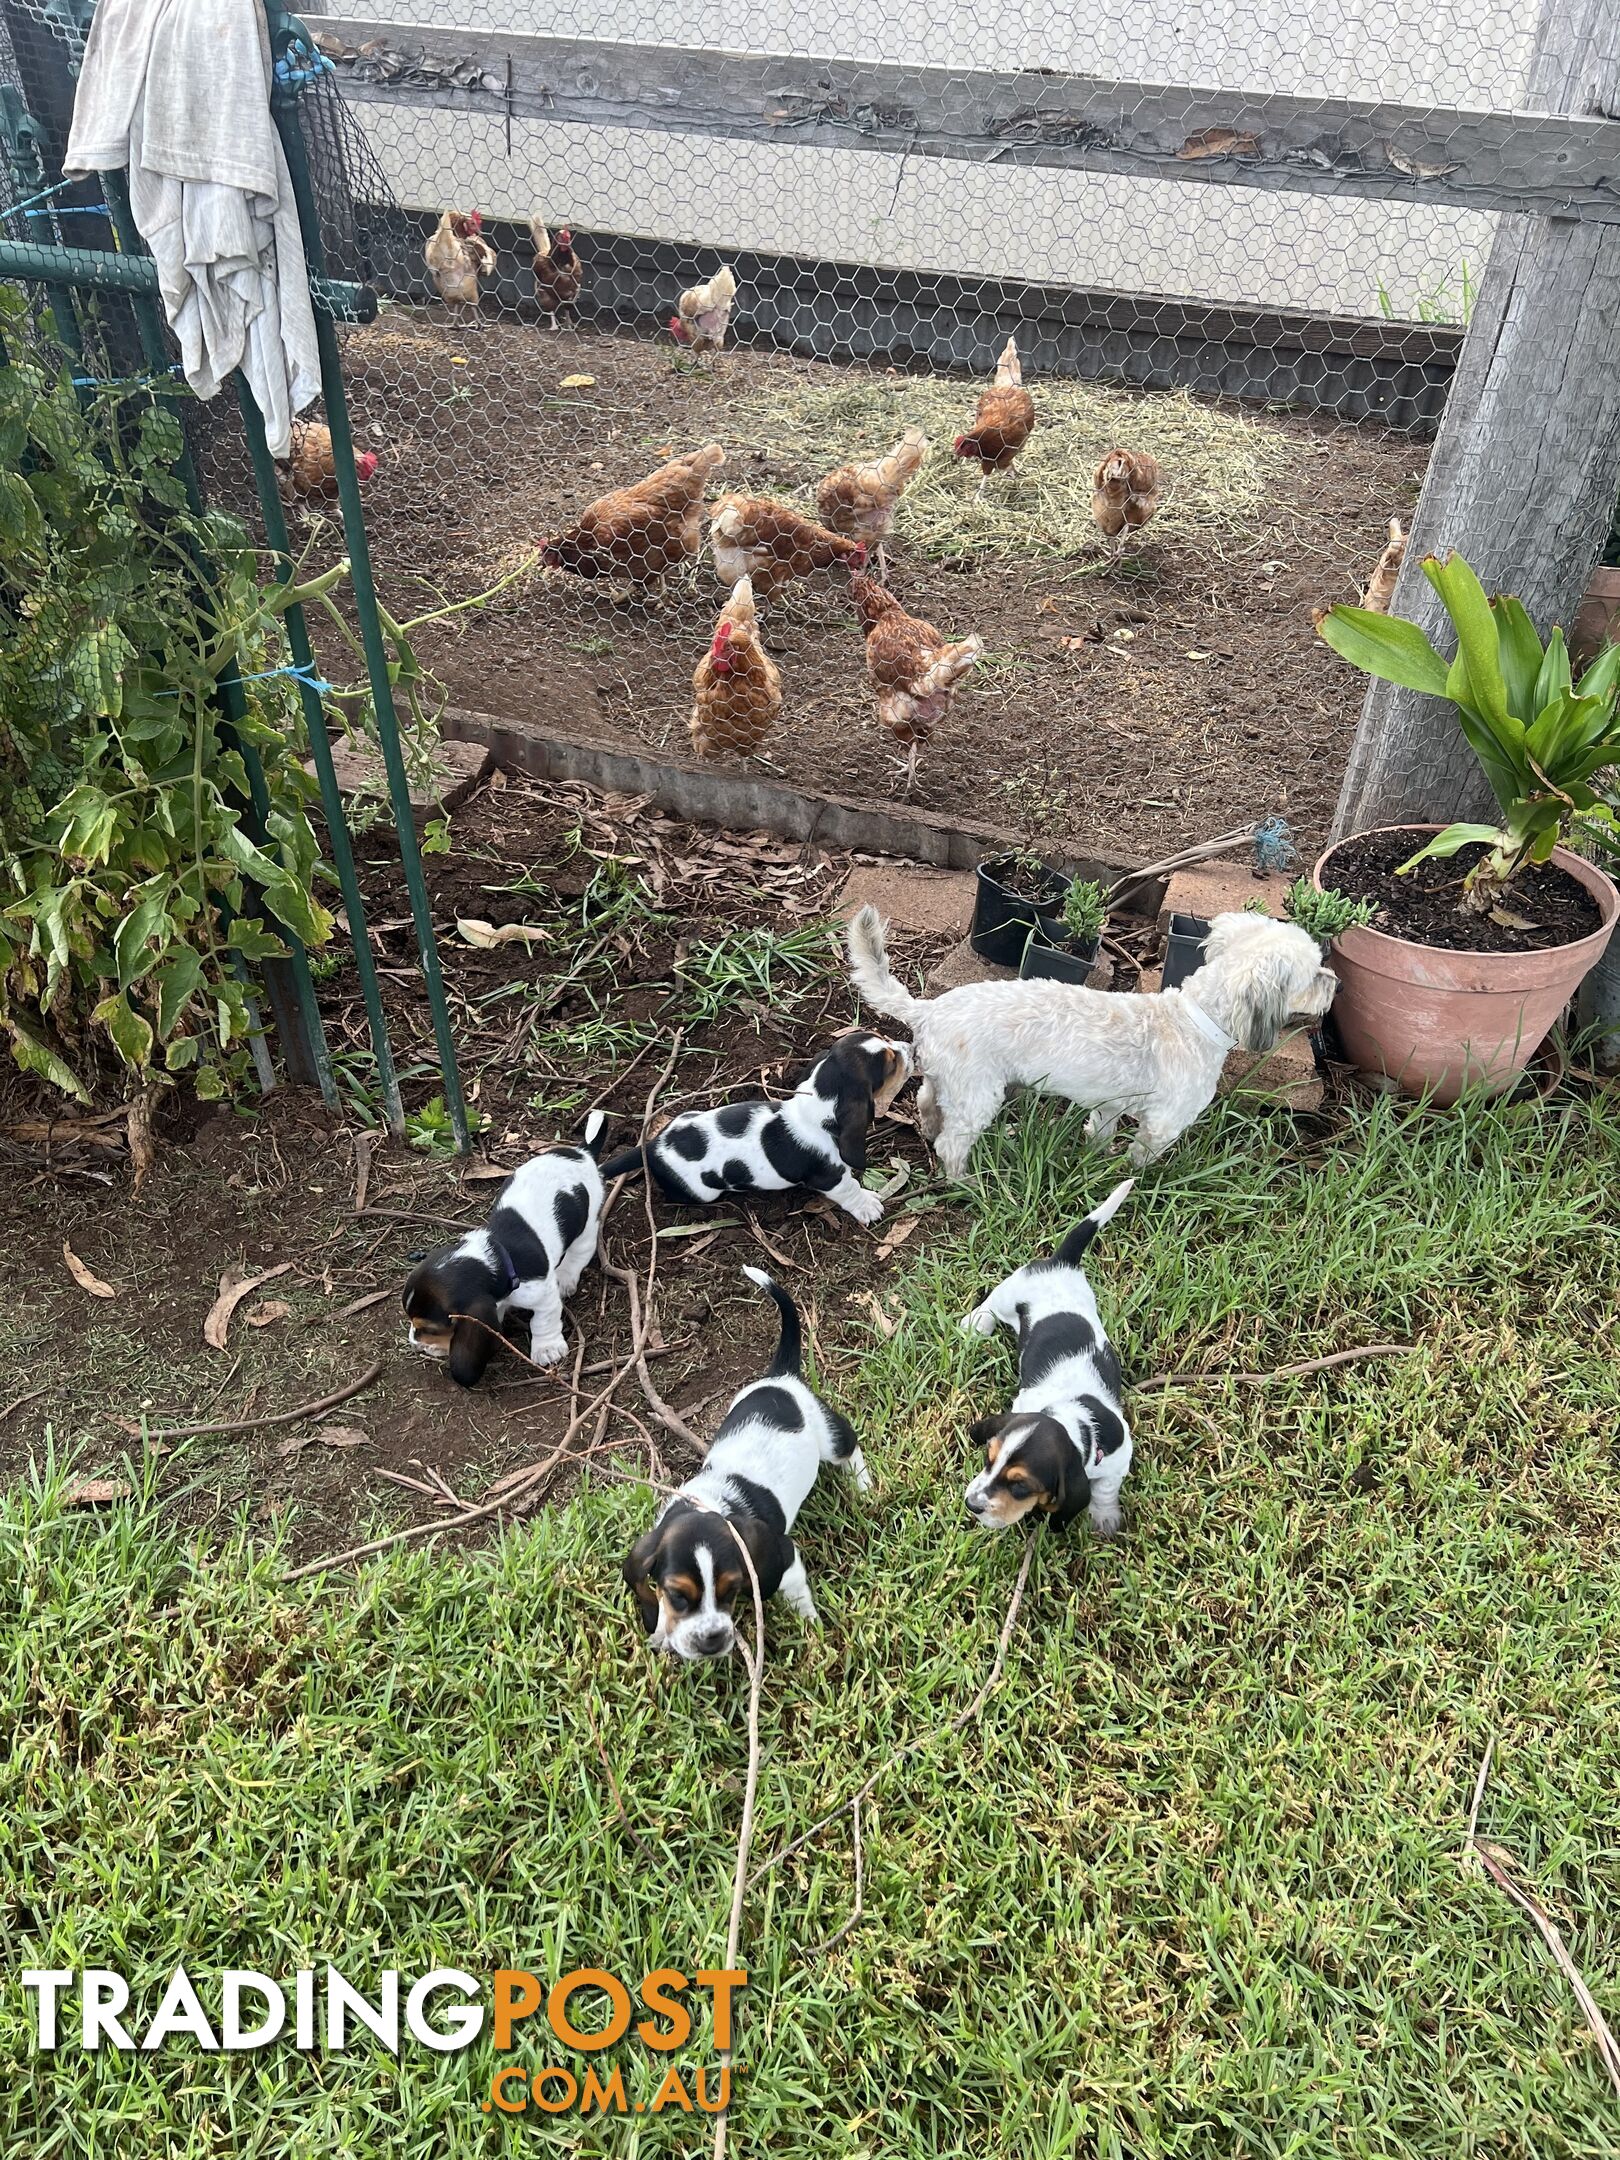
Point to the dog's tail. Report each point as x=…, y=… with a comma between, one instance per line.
x=595, y=1126
x=629, y=1162
x=1074, y=1247
x=869, y=967
x=785, y=1364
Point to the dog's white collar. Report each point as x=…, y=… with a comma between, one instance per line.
x=1205, y=1025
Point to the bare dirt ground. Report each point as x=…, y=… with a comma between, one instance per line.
x=653, y=930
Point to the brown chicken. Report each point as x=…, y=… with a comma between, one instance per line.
x=737, y=689
x=1381, y=585
x=752, y=537
x=643, y=531
x=703, y=312
x=1125, y=493
x=1003, y=419
x=310, y=471
x=912, y=668
x=457, y=257
x=558, y=275
x=860, y=500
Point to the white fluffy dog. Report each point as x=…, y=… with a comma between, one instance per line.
x=1156, y=1059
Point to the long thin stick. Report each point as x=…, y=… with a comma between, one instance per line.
x=17, y=1401
x=849, y=1925
x=922, y=1740
x=1283, y=1372
x=278, y=1417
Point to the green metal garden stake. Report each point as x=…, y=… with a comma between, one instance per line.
x=282, y=26
x=275, y=527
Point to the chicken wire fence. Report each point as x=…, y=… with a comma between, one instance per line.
x=1234, y=255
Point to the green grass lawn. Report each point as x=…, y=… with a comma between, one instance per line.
x=1191, y=1886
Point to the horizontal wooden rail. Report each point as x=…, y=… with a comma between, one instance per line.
x=1538, y=163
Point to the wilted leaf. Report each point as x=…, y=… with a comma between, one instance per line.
x=82, y=1275
x=342, y=1436
x=1220, y=142
x=485, y=936
x=898, y=1235
x=880, y=1319
x=698, y=1229
x=94, y=1491
x=234, y=1286
x=271, y=1310
x=363, y=1304
x=577, y=382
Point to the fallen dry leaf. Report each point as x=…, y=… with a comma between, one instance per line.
x=898, y=1235
x=82, y=1275
x=142, y=1146
x=577, y=382
x=93, y=1491
x=1220, y=142
x=880, y=1319
x=234, y=1286
x=486, y=936
x=265, y=1315
x=342, y=1436
x=484, y=1174
x=363, y=1304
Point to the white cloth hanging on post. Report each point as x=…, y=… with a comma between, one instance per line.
x=178, y=92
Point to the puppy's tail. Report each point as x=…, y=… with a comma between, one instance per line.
x=1073, y=1249
x=869, y=967
x=595, y=1126
x=785, y=1364
x=629, y=1162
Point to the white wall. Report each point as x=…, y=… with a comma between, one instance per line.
x=1189, y=241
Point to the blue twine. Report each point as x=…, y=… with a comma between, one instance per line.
x=298, y=65
x=94, y=209
x=302, y=671
x=1274, y=848
x=123, y=382
x=44, y=195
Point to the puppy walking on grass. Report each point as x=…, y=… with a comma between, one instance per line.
x=687, y=1575
x=1064, y=1448
x=1156, y=1058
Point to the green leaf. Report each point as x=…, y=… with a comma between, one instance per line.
x=1602, y=678
x=1478, y=641
x=1453, y=838
x=1521, y=654
x=1554, y=675
x=181, y=1053
x=248, y=936
x=178, y=981
x=131, y=1034
x=1386, y=646
x=209, y=1083
x=37, y=1057
x=132, y=946
x=20, y=521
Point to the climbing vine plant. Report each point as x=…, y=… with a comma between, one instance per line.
x=131, y=896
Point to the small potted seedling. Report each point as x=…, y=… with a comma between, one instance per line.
x=1085, y=910
x=1018, y=894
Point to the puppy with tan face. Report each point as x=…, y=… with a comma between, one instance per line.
x=817, y=1138
x=1064, y=1448
x=688, y=1575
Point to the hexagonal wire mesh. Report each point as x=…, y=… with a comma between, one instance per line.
x=1124, y=665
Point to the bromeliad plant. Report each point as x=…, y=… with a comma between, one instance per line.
x=1540, y=737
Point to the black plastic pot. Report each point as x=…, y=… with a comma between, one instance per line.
x=1071, y=963
x=1003, y=920
x=1183, y=950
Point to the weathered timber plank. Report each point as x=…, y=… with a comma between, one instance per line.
x=1552, y=165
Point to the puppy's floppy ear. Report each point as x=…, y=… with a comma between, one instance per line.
x=772, y=1555
x=1073, y=1494
x=637, y=1572
x=854, y=1122
x=472, y=1340
x=983, y=1430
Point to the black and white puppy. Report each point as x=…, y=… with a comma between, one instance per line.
x=1064, y=1446
x=687, y=1576
x=538, y=1242
x=816, y=1138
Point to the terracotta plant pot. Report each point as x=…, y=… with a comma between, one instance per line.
x=1438, y=1021
x=1597, y=619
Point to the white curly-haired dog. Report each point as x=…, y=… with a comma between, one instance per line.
x=1155, y=1058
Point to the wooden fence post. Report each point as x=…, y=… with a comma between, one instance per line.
x=1526, y=469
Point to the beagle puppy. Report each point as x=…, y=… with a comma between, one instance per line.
x=538, y=1242
x=816, y=1138
x=1064, y=1446
x=687, y=1576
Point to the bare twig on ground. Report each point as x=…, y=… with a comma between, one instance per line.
x=277, y=1417
x=630, y=1829
x=1283, y=1372
x=850, y=1924
x=17, y=1401
x=1500, y=1866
